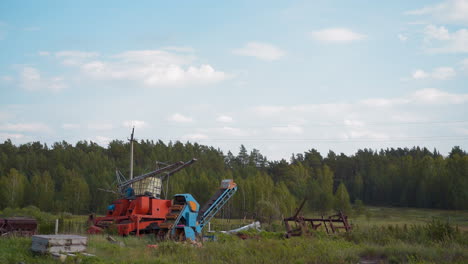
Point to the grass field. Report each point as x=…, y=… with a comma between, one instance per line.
x=373, y=216
x=399, y=216
x=385, y=235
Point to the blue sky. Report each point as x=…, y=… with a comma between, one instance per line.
x=279, y=76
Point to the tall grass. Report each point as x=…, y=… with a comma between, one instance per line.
x=389, y=241
x=433, y=243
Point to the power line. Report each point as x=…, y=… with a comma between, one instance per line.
x=328, y=140
x=328, y=124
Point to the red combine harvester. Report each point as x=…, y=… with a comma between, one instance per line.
x=141, y=209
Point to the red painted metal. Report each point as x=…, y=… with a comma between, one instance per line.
x=141, y=211
x=132, y=216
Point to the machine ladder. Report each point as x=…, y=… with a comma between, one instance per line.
x=172, y=220
x=212, y=207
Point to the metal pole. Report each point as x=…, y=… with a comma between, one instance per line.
x=167, y=186
x=56, y=226
x=131, y=155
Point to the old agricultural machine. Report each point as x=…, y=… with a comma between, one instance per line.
x=332, y=224
x=141, y=210
x=18, y=226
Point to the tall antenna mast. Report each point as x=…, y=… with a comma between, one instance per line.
x=131, y=153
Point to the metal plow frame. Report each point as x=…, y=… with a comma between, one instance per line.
x=302, y=223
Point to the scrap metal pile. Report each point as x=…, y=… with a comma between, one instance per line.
x=332, y=224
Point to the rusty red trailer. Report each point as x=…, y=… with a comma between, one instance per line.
x=18, y=226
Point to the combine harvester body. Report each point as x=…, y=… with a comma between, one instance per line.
x=132, y=216
x=141, y=211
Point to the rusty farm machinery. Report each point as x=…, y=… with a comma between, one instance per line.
x=18, y=226
x=303, y=225
x=141, y=210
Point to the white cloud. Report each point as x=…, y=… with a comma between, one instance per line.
x=435, y=96
x=366, y=134
x=153, y=57
x=384, y=102
x=100, y=126
x=443, y=73
x=179, y=118
x=366, y=121
x=461, y=131
x=232, y=131
x=440, y=40
x=135, y=123
x=32, y=80
x=25, y=127
x=70, y=126
x=464, y=64
x=101, y=140
x=434, y=32
x=269, y=109
x=4, y=115
x=76, y=54
x=259, y=50
x=224, y=119
x=180, y=49
x=75, y=57
x=337, y=35
x=354, y=123
x=43, y=53
x=289, y=129
x=148, y=67
x=5, y=136
x=429, y=96
x=420, y=74
x=6, y=78
x=440, y=73
x=402, y=37
x=448, y=11
x=194, y=137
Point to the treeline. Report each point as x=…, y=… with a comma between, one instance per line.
x=65, y=177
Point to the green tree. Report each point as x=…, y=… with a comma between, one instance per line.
x=75, y=193
x=12, y=188
x=342, y=202
x=267, y=211
x=324, y=198
x=44, y=190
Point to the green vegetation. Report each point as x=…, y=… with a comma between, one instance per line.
x=67, y=178
x=434, y=242
x=63, y=180
x=389, y=235
x=68, y=223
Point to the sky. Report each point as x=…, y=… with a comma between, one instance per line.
x=282, y=77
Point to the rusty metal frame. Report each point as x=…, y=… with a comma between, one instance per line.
x=18, y=226
x=302, y=223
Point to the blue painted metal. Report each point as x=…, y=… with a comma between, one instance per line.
x=216, y=206
x=189, y=222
